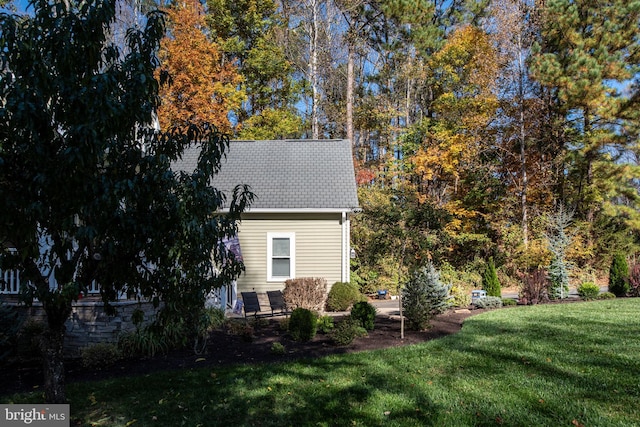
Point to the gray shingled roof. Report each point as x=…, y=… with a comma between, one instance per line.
x=288, y=174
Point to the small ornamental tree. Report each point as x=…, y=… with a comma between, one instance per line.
x=88, y=191
x=424, y=296
x=634, y=281
x=490, y=282
x=619, y=276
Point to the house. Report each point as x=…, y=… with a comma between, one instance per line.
x=299, y=222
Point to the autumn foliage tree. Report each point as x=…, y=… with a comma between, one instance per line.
x=203, y=88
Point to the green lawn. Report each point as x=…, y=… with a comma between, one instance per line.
x=549, y=365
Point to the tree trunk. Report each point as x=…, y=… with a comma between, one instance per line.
x=313, y=68
x=52, y=346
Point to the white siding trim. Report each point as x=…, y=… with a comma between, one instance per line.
x=292, y=253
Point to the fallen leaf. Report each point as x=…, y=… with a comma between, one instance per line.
x=577, y=423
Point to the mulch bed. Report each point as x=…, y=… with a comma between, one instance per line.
x=224, y=348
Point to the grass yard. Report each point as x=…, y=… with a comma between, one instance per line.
x=548, y=365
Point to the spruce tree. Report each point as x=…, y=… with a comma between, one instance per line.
x=423, y=296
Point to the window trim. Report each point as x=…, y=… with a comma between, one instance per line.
x=292, y=256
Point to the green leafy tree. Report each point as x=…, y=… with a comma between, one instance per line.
x=619, y=276
x=252, y=35
x=490, y=282
x=96, y=196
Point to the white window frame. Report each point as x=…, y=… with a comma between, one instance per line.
x=292, y=256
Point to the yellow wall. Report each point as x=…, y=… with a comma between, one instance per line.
x=318, y=246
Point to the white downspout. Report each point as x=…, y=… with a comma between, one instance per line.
x=345, y=276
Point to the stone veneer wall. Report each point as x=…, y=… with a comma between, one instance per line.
x=89, y=324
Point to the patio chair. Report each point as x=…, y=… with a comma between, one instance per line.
x=276, y=301
x=251, y=303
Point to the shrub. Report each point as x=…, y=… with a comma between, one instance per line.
x=284, y=324
x=365, y=314
x=606, y=295
x=534, y=287
x=325, y=324
x=619, y=276
x=303, y=324
x=488, y=302
x=101, y=355
x=306, y=292
x=278, y=348
x=424, y=296
x=634, y=281
x=460, y=297
x=588, y=290
x=241, y=328
x=346, y=331
x=141, y=342
x=508, y=301
x=215, y=317
x=490, y=282
x=342, y=296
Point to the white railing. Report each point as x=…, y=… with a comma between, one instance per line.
x=223, y=297
x=10, y=283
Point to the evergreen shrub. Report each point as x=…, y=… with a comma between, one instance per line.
x=490, y=282
x=364, y=314
x=488, y=302
x=346, y=331
x=303, y=324
x=606, y=295
x=423, y=296
x=619, y=276
x=588, y=290
x=342, y=296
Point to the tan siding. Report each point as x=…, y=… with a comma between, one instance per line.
x=318, y=247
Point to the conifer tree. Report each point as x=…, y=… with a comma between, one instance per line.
x=619, y=276
x=490, y=282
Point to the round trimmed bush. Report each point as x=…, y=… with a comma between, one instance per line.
x=365, y=314
x=346, y=331
x=303, y=324
x=342, y=296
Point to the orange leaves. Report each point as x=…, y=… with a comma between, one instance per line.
x=202, y=87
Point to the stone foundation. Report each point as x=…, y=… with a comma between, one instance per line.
x=89, y=324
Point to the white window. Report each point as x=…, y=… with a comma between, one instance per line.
x=281, y=259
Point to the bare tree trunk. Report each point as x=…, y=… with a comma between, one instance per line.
x=350, y=85
x=523, y=148
x=313, y=68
